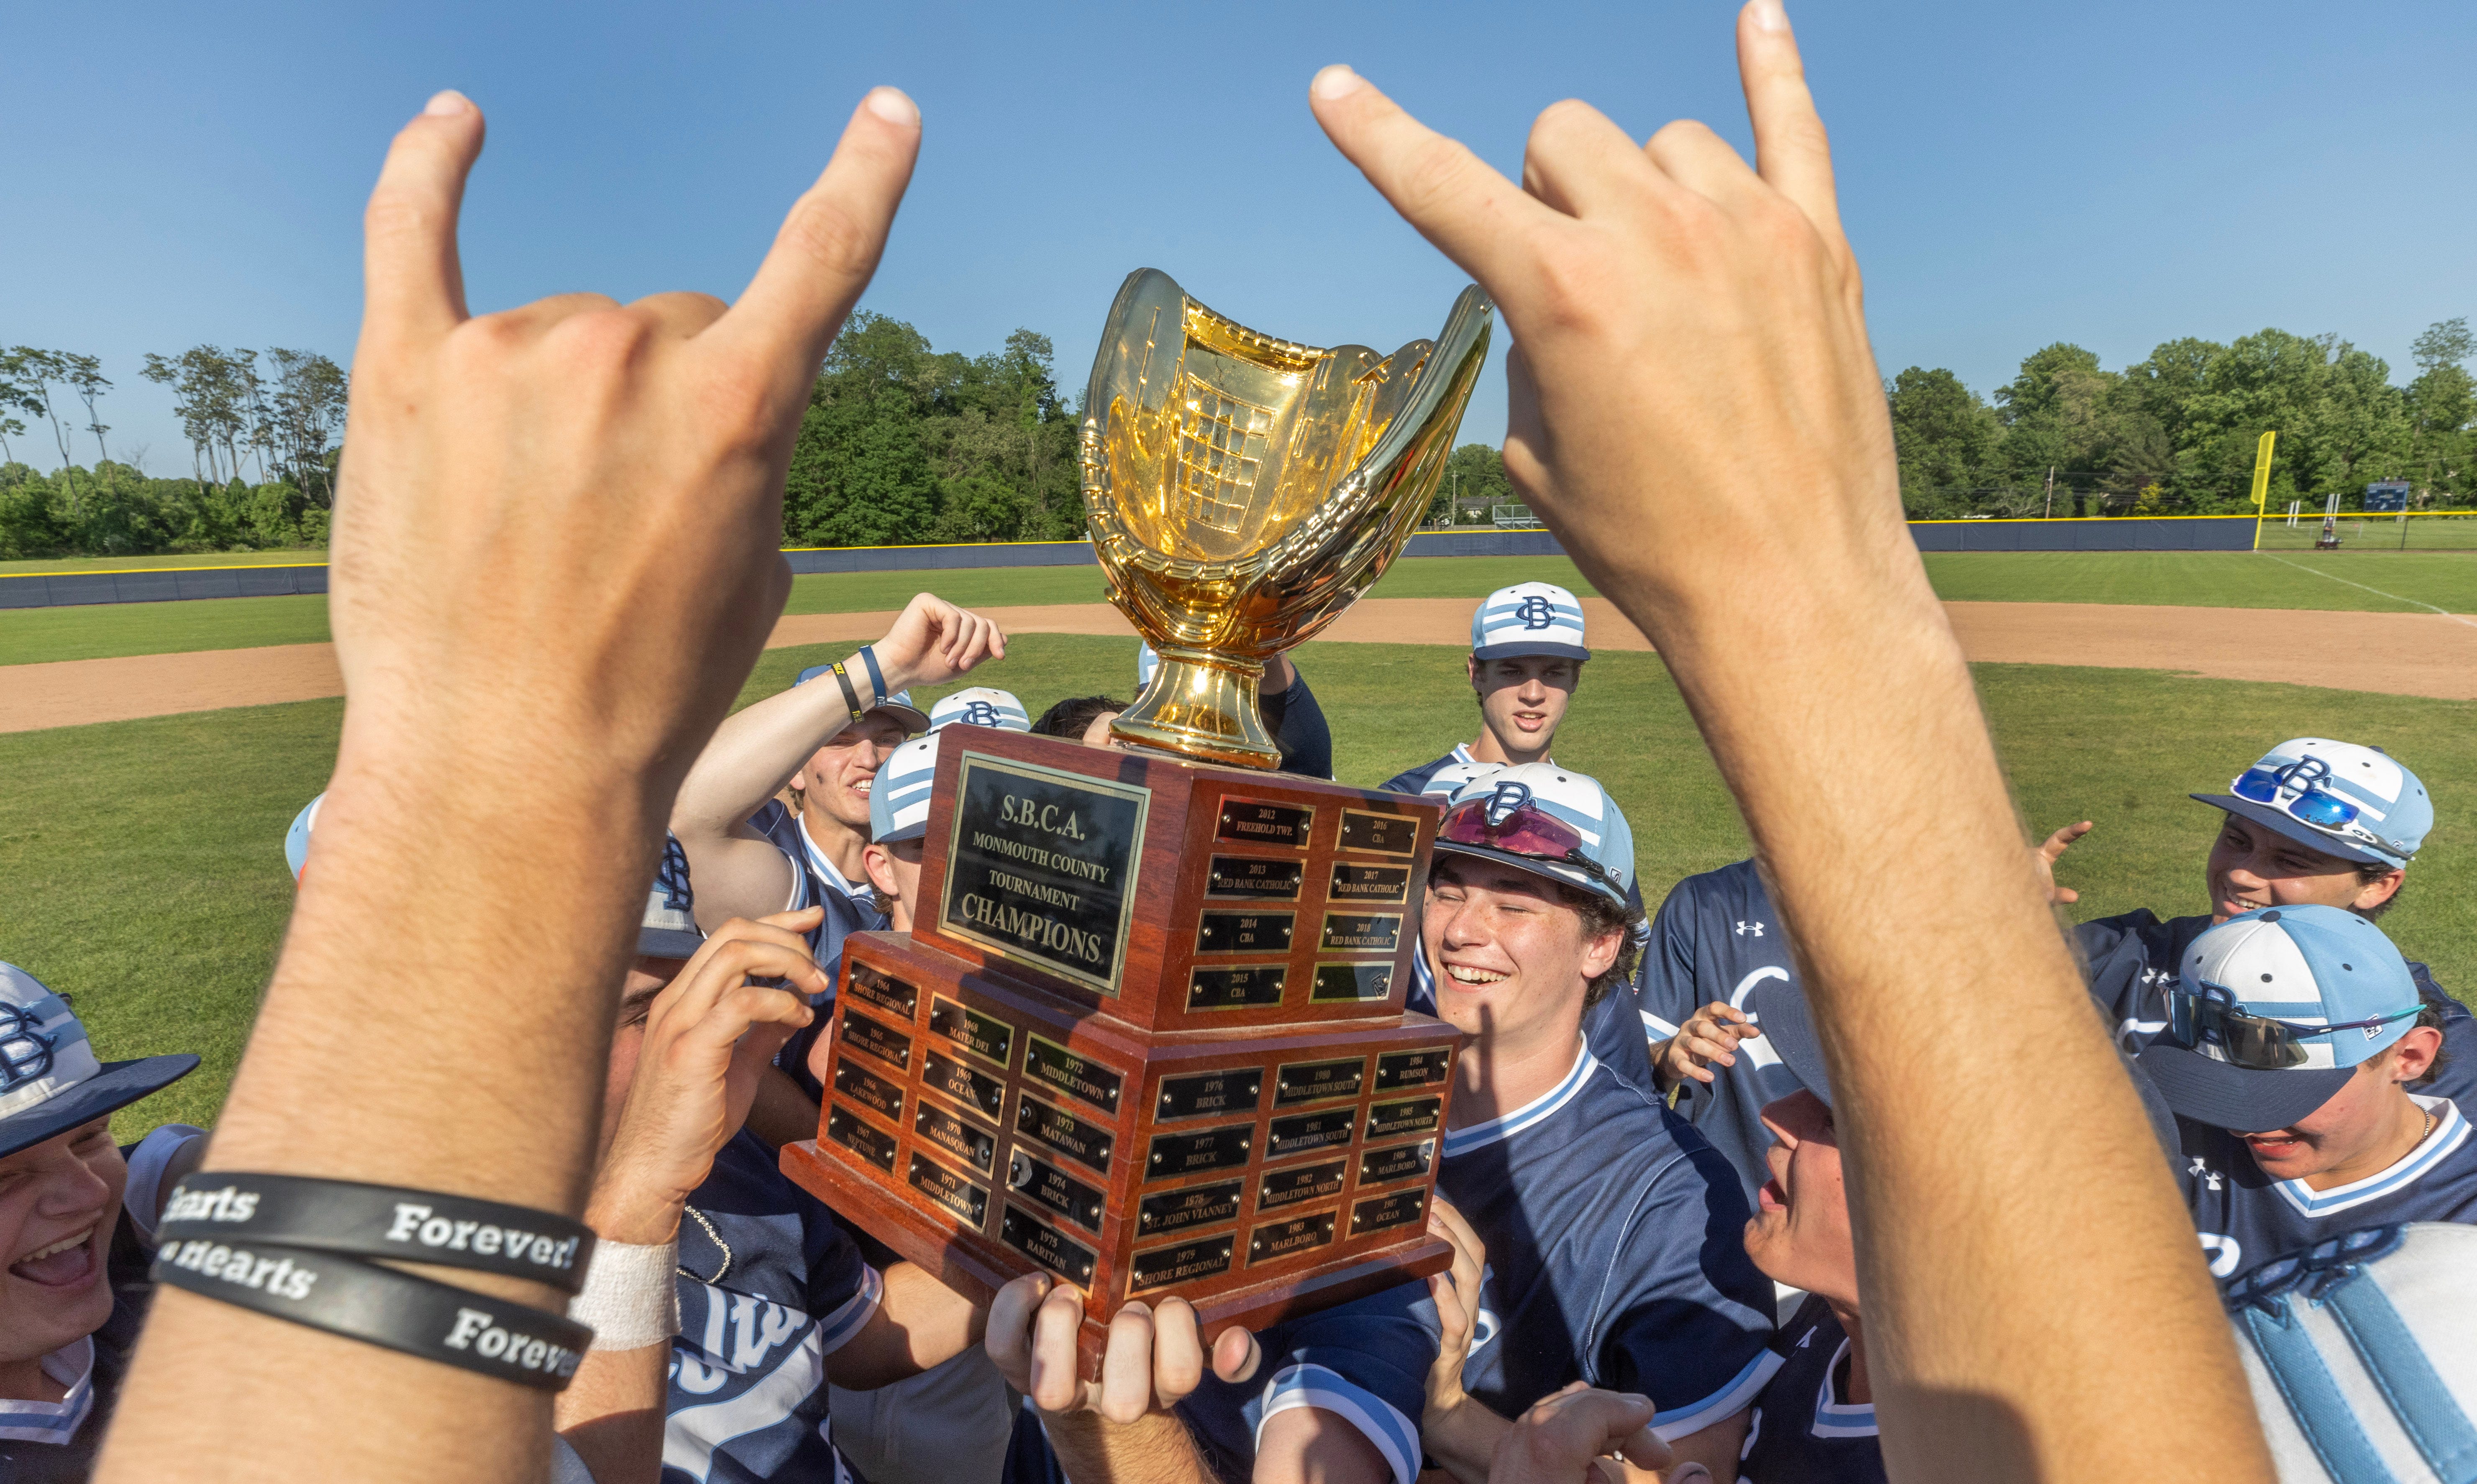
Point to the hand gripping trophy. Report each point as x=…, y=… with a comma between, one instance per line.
x=1147, y=1031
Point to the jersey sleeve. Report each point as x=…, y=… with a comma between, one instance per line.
x=1304, y=736
x=1685, y=1317
x=1664, y=985
x=843, y=1290
x=1364, y=1364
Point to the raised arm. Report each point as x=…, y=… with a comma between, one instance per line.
x=1692, y=360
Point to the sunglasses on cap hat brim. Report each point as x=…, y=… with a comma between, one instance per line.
x=1530, y=838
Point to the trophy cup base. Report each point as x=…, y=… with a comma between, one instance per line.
x=1202, y=706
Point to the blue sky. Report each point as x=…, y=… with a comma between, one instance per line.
x=2109, y=173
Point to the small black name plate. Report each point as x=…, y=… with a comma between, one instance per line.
x=1362, y=932
x=867, y=1037
x=1044, y=1183
x=1401, y=1162
x=1346, y=982
x=940, y=1073
x=1386, y=834
x=1313, y=1081
x=1307, y=1182
x=1197, y=1206
x=1387, y=884
x=845, y=1127
x=1076, y=1075
x=1182, y=1262
x=1399, y=1209
x=1399, y=1071
x=1283, y=1239
x=875, y=1093
x=882, y=990
x=1039, y=866
x=1174, y=1154
x=1235, y=989
x=1304, y=1132
x=988, y=1039
x=1245, y=875
x=1412, y=1115
x=1249, y=823
x=1209, y=1093
x=1047, y=1245
x=950, y=1189
x=958, y=1138
x=1087, y=1144
x=1243, y=933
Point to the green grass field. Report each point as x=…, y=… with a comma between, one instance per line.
x=148, y=873
x=2176, y=578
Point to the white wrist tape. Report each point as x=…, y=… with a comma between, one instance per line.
x=631, y=1299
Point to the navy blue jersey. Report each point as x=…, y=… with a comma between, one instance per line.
x=1365, y=1362
x=1412, y=779
x=2247, y=1217
x=2131, y=960
x=1715, y=938
x=848, y=910
x=1299, y=728
x=785, y=1289
x=1805, y=1428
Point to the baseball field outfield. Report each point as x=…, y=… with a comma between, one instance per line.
x=145, y=856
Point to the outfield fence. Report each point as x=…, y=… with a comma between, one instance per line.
x=2409, y=531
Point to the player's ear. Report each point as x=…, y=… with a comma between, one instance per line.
x=1600, y=954
x=2413, y=1055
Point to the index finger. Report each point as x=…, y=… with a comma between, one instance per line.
x=829, y=245
x=1454, y=198
x=1792, y=154
x=413, y=280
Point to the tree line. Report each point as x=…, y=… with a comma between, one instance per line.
x=2174, y=433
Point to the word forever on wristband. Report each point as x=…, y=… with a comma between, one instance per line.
x=631, y=1298
x=400, y=1311
x=378, y=1220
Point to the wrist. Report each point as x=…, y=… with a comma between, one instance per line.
x=635, y=1215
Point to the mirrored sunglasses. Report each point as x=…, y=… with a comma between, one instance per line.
x=2253, y=1041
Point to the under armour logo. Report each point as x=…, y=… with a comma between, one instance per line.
x=1753, y=929
x=1508, y=798
x=25, y=1052
x=1536, y=612
x=979, y=713
x=2205, y=1172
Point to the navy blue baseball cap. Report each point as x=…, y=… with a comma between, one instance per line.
x=669, y=929
x=50, y=1081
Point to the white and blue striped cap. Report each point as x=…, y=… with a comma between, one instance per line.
x=297, y=840
x=1529, y=618
x=981, y=706
x=2392, y=814
x=50, y=1080
x=1447, y=779
x=1566, y=798
x=898, y=802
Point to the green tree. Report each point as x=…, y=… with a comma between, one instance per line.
x=1945, y=438
x=2441, y=402
x=1474, y=472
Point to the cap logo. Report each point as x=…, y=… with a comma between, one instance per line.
x=25, y=1052
x=2301, y=776
x=979, y=713
x=1504, y=800
x=671, y=878
x=1536, y=612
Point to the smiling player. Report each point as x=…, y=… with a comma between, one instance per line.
x=1527, y=655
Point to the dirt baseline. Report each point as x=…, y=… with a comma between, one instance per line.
x=2394, y=654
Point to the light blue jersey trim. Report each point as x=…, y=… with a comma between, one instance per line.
x=818, y=862
x=1654, y=1028
x=2449, y=1133
x=1463, y=1140
x=1728, y=1401
x=57, y=1422
x=1837, y=1419
x=835, y=1330
x=1379, y=1421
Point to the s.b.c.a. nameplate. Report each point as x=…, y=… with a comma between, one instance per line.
x=1039, y=867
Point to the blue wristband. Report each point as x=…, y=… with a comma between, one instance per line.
x=876, y=677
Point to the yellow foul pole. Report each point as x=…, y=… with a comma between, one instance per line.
x=2262, y=482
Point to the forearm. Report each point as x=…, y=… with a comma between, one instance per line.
x=612, y=1412
x=1153, y=1450
x=920, y=1324
x=1464, y=1439
x=755, y=753
x=782, y=1114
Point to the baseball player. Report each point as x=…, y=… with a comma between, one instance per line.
x=1527, y=655
x=898, y=821
x=2295, y=1053
x=1594, y=1204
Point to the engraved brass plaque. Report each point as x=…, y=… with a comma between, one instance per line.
x=958, y=1138
x=1174, y=1154
x=1412, y=1115
x=1245, y=933
x=1077, y=1076
x=1347, y=982
x=982, y=1094
x=1399, y=1209
x=1039, y=867
x=1401, y=1162
x=950, y=1189
x=1313, y=1081
x=1250, y=822
x=1304, y=1132
x=1288, y=1238
x=1361, y=932
x=1044, y=1183
x=1386, y=834
x=1179, y=1262
x=1241, y=1089
x=873, y=986
x=875, y=1093
x=1087, y=1144
x=1378, y=885
x=1401, y=1070
x=1306, y=1182
x=846, y=1128
x=1235, y=989
x=1197, y=1206
x=1245, y=875
x=869, y=1038
x=983, y=1037
x=1047, y=1245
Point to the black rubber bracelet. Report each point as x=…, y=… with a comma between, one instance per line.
x=378, y=1220
x=362, y=1301
x=851, y=697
